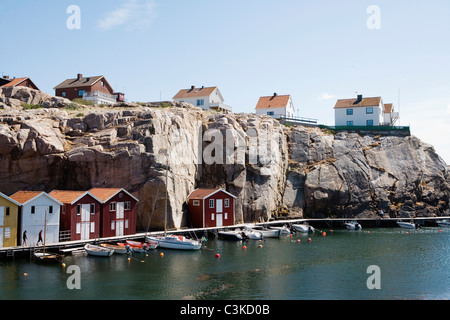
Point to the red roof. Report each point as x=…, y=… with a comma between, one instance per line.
x=24, y=196
x=275, y=101
x=104, y=194
x=203, y=193
x=194, y=92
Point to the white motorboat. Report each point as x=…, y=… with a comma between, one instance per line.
x=254, y=235
x=268, y=233
x=236, y=235
x=407, y=225
x=353, y=225
x=305, y=228
x=284, y=231
x=175, y=242
x=444, y=223
x=98, y=251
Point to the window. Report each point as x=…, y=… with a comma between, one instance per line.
x=63, y=210
x=271, y=113
x=92, y=208
x=112, y=206
x=369, y=122
x=78, y=228
x=78, y=209
x=127, y=205
x=349, y=123
x=196, y=203
x=121, y=195
x=63, y=94
x=349, y=112
x=212, y=216
x=113, y=224
x=211, y=203
x=126, y=223
x=50, y=209
x=227, y=203
x=7, y=211
x=7, y=232
x=103, y=83
x=92, y=227
x=200, y=102
x=33, y=209
x=369, y=110
x=81, y=92
x=226, y=216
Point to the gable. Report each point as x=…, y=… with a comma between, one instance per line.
x=272, y=102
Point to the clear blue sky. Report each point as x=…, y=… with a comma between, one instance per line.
x=317, y=51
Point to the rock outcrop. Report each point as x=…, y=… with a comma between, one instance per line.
x=272, y=169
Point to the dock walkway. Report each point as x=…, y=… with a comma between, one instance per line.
x=71, y=246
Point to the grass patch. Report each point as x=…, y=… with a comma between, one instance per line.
x=28, y=106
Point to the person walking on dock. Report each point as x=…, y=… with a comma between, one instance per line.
x=24, y=238
x=40, y=238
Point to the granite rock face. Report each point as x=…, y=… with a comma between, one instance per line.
x=273, y=170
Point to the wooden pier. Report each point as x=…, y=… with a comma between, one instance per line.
x=67, y=247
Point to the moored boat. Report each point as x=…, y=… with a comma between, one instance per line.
x=48, y=257
x=236, y=235
x=444, y=223
x=407, y=225
x=305, y=228
x=284, y=231
x=268, y=233
x=142, y=245
x=98, y=251
x=117, y=249
x=352, y=225
x=175, y=242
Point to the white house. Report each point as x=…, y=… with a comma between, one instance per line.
x=204, y=97
x=276, y=106
x=36, y=208
x=364, y=112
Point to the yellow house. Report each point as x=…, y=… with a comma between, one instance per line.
x=9, y=214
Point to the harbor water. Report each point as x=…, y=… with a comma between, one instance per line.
x=411, y=264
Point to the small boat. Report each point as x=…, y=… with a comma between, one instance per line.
x=236, y=235
x=353, y=225
x=444, y=223
x=98, y=251
x=117, y=249
x=268, y=233
x=305, y=228
x=175, y=242
x=48, y=257
x=407, y=225
x=142, y=245
x=284, y=231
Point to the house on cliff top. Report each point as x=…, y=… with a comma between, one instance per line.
x=6, y=82
x=370, y=111
x=276, y=106
x=95, y=89
x=205, y=97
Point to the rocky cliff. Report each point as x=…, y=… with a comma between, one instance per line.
x=273, y=170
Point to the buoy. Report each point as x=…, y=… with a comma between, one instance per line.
x=128, y=259
x=217, y=255
x=407, y=232
x=290, y=235
x=440, y=230
x=368, y=231
x=25, y=274
x=298, y=240
x=161, y=254
x=260, y=246
x=324, y=233
x=244, y=247
x=309, y=239
x=63, y=265
x=331, y=230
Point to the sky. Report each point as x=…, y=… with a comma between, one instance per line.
x=317, y=51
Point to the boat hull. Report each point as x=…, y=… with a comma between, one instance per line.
x=98, y=251
x=353, y=226
x=117, y=249
x=231, y=235
x=406, y=225
x=303, y=228
x=175, y=242
x=48, y=257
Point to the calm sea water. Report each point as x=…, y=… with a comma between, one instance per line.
x=413, y=265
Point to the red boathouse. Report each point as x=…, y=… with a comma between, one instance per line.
x=118, y=211
x=80, y=214
x=211, y=208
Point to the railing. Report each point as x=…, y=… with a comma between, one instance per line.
x=294, y=119
x=92, y=95
x=220, y=106
x=365, y=128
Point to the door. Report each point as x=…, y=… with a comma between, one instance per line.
x=1, y=237
x=119, y=218
x=219, y=205
x=85, y=221
x=219, y=220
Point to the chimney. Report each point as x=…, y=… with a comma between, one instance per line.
x=275, y=94
x=6, y=77
x=192, y=87
x=359, y=99
x=79, y=76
